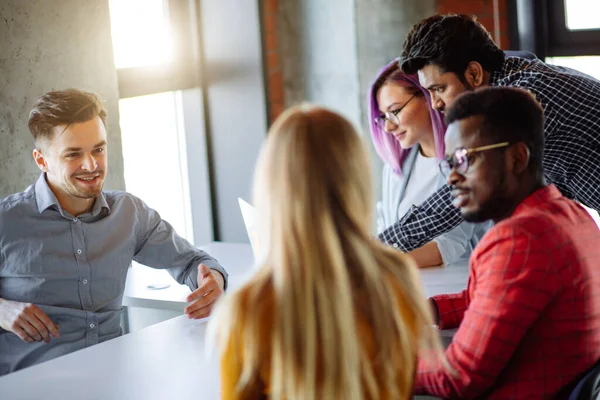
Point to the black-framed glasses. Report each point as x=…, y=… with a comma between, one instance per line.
x=459, y=160
x=392, y=116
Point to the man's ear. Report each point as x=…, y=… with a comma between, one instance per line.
x=474, y=74
x=40, y=159
x=519, y=157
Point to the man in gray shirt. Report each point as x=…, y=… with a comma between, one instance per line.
x=66, y=245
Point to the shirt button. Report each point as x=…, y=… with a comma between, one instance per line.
x=395, y=245
x=78, y=251
x=92, y=326
x=85, y=281
x=75, y=220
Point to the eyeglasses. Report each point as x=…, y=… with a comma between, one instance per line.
x=392, y=116
x=459, y=160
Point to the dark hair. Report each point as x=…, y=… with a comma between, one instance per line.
x=63, y=107
x=450, y=42
x=509, y=115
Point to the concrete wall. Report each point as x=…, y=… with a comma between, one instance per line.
x=330, y=55
x=381, y=30
x=50, y=45
x=328, y=52
x=317, y=48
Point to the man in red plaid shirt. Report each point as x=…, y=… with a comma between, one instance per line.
x=529, y=320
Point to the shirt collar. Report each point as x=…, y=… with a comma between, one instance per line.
x=45, y=198
x=511, y=64
x=496, y=76
x=541, y=196
x=100, y=204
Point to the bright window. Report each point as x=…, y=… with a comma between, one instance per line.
x=155, y=157
x=582, y=14
x=152, y=133
x=587, y=64
x=141, y=32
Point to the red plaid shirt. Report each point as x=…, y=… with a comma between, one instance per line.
x=530, y=316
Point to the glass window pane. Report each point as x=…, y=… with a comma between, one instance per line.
x=155, y=158
x=140, y=32
x=582, y=14
x=587, y=64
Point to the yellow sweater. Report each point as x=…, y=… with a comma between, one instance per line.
x=232, y=358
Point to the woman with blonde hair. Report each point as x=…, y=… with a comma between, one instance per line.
x=331, y=313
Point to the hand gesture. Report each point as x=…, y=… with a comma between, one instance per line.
x=210, y=288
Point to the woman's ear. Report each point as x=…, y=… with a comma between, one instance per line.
x=474, y=74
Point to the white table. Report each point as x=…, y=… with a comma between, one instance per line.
x=237, y=258
x=450, y=279
x=164, y=361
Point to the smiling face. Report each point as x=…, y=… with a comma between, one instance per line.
x=484, y=191
x=74, y=160
x=444, y=87
x=412, y=112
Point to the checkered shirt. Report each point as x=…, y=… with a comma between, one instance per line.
x=571, y=103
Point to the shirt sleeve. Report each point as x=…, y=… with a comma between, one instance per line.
x=458, y=242
x=159, y=246
x=461, y=241
x=451, y=308
x=423, y=223
x=455, y=244
x=507, y=299
x=380, y=218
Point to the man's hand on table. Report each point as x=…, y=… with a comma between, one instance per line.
x=210, y=288
x=27, y=321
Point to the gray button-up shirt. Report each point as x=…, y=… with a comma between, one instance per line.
x=74, y=268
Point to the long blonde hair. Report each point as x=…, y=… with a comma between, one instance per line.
x=322, y=270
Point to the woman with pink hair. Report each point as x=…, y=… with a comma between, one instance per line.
x=408, y=135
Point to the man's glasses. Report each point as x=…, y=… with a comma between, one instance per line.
x=459, y=160
x=392, y=116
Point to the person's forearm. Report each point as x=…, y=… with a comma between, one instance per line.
x=450, y=309
x=421, y=224
x=427, y=256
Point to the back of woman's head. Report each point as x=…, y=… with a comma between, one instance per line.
x=387, y=147
x=322, y=273
x=313, y=173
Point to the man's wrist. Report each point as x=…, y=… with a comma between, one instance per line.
x=219, y=277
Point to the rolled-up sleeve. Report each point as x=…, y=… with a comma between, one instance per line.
x=159, y=246
x=455, y=244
